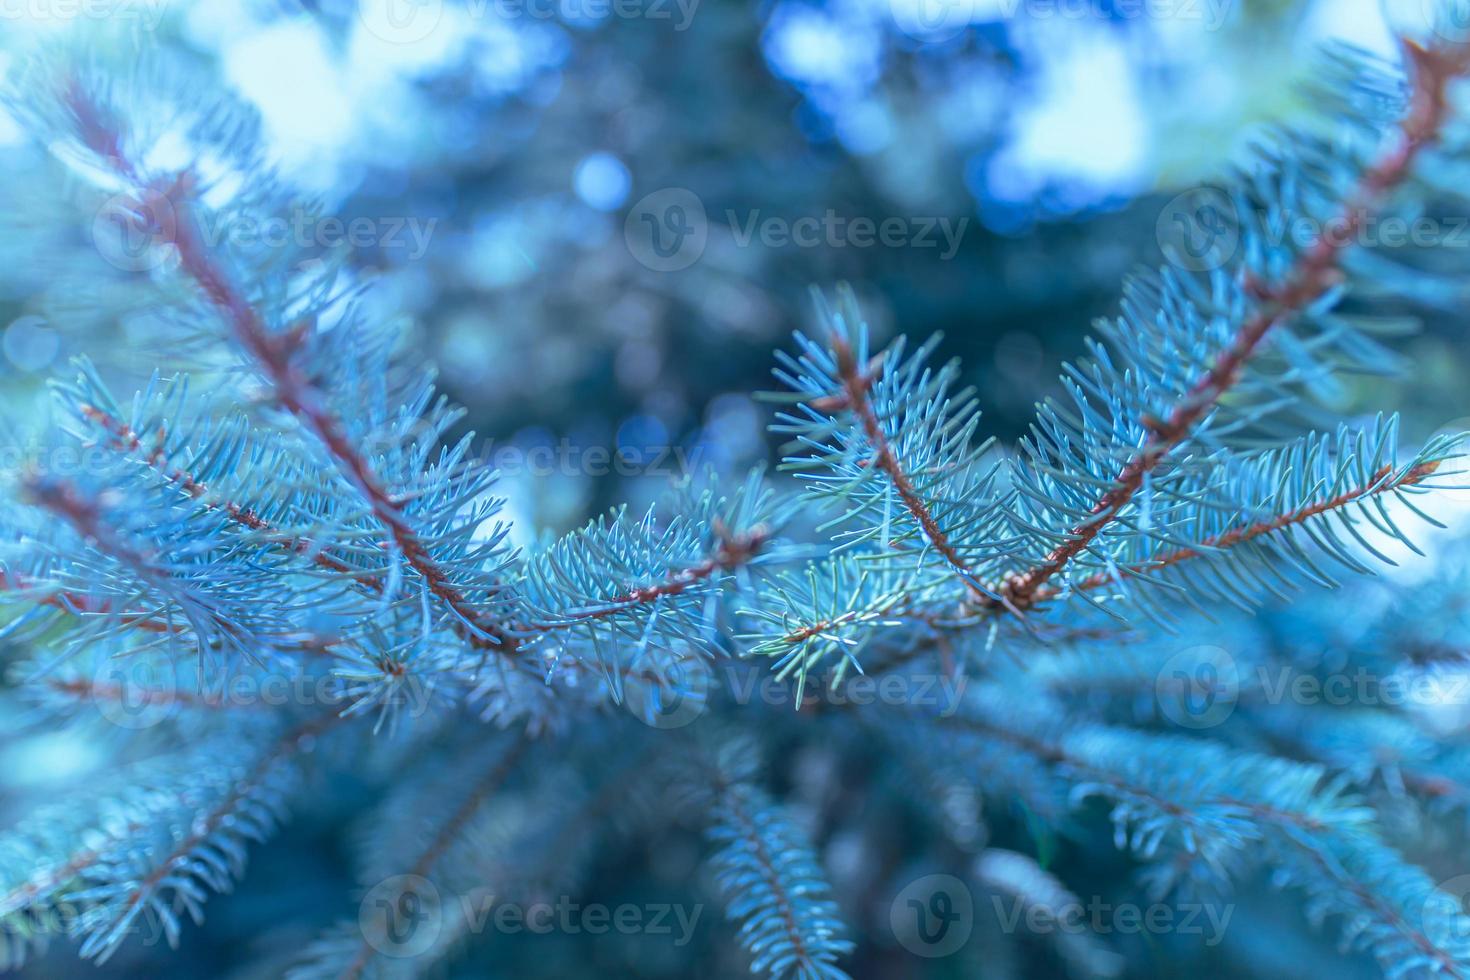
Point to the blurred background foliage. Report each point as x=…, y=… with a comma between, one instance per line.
x=519, y=144
x=516, y=137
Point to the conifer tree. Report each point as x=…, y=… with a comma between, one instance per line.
x=281, y=508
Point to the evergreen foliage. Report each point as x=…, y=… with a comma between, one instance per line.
x=297, y=511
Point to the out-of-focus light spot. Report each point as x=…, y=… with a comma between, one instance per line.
x=505, y=57
x=436, y=34
x=30, y=344
x=1359, y=22
x=733, y=429
x=170, y=151
x=811, y=48
x=1083, y=139
x=865, y=128
x=468, y=349
x=602, y=181
x=502, y=250
x=10, y=132
x=287, y=72
x=219, y=23
x=39, y=760
x=640, y=432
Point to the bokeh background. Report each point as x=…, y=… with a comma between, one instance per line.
x=577, y=206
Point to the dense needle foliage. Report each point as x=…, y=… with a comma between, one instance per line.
x=281, y=567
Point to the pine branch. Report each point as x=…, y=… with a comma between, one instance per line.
x=1315, y=274
x=205, y=853
x=274, y=353
x=856, y=383
x=765, y=869
x=768, y=879
x=1215, y=804
x=126, y=440
x=1385, y=480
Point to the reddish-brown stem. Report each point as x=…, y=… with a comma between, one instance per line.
x=274, y=354
x=296, y=393
x=79, y=603
x=76, y=602
x=1316, y=272
x=856, y=380
x=734, y=551
x=1379, y=483
x=126, y=440
x=84, y=514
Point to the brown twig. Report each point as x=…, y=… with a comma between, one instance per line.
x=1317, y=271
